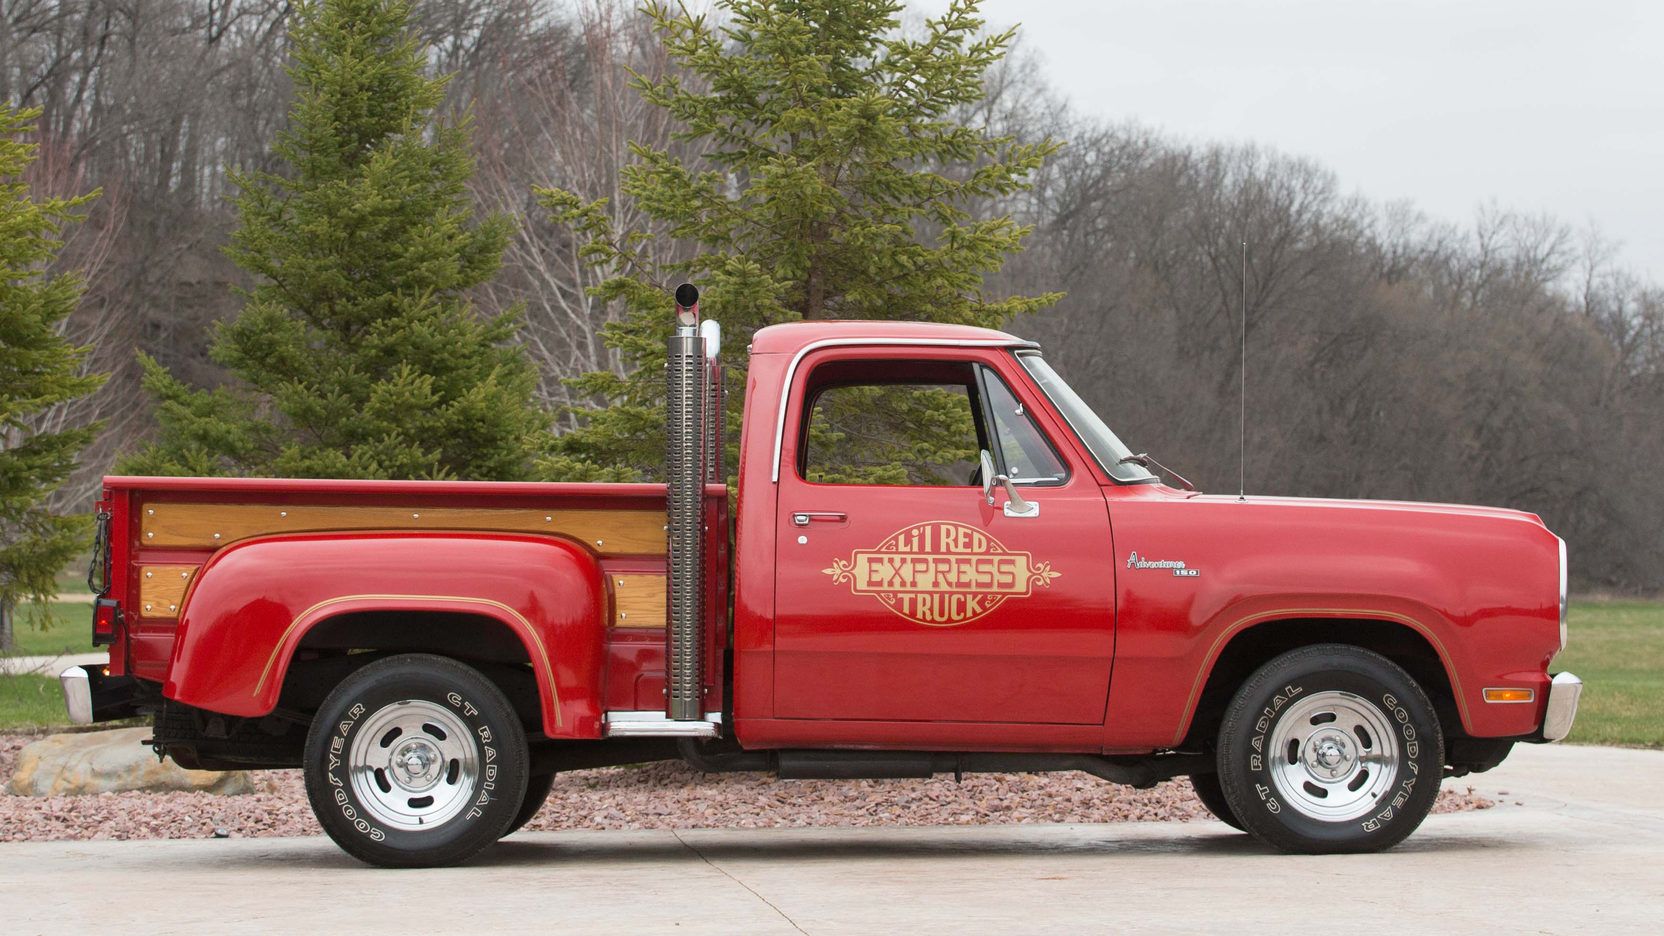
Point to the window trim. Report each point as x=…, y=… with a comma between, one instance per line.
x=787, y=383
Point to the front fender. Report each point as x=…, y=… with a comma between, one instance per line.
x=254, y=601
x=1478, y=585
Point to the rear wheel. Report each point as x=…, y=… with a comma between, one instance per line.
x=1213, y=797
x=537, y=793
x=1330, y=748
x=415, y=761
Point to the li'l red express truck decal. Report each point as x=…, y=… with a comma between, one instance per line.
x=941, y=573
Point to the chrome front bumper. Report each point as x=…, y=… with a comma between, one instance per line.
x=1563, y=693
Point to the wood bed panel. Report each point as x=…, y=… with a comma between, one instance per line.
x=162, y=589
x=609, y=532
x=638, y=600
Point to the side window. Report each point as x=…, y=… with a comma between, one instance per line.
x=891, y=422
x=1026, y=454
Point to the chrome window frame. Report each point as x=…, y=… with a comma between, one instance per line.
x=985, y=375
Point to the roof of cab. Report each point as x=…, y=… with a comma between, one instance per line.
x=795, y=336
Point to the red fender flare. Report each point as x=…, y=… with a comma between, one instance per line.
x=254, y=601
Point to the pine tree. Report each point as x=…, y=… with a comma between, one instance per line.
x=38, y=369
x=841, y=184
x=358, y=352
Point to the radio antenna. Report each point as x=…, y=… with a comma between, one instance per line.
x=1242, y=389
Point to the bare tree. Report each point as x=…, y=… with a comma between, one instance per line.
x=566, y=115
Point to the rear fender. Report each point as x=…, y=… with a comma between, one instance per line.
x=254, y=602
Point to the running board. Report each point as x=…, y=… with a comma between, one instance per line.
x=1141, y=771
x=655, y=725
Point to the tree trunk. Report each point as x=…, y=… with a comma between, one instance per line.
x=815, y=288
x=815, y=296
x=7, y=639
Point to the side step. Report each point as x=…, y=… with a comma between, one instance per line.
x=1141, y=772
x=655, y=724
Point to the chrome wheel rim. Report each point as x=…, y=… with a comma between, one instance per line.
x=1333, y=755
x=413, y=765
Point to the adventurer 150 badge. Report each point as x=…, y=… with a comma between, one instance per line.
x=941, y=573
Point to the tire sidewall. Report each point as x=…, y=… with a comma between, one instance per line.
x=538, y=789
x=1261, y=704
x=494, y=730
x=1212, y=796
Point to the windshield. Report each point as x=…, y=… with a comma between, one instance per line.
x=1105, y=447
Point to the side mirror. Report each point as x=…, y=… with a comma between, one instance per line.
x=1015, y=504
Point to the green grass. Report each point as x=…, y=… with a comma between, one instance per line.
x=1617, y=649
x=30, y=701
x=68, y=629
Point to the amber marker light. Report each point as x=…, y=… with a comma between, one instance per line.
x=1510, y=695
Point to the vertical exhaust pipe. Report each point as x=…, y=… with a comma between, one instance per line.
x=685, y=449
x=715, y=396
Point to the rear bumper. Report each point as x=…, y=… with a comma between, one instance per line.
x=1564, y=691
x=92, y=696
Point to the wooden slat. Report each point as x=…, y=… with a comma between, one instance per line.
x=162, y=589
x=638, y=600
x=609, y=532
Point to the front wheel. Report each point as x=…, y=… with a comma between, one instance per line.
x=1330, y=748
x=1212, y=796
x=415, y=761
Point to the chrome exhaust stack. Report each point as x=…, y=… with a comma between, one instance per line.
x=687, y=464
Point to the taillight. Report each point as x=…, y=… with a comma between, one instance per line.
x=106, y=612
x=106, y=617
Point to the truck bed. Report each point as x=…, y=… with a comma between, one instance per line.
x=164, y=529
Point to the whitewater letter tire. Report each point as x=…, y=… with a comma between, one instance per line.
x=1328, y=749
x=1208, y=791
x=537, y=793
x=415, y=761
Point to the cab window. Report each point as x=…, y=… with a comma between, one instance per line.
x=911, y=423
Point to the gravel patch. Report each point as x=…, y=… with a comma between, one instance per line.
x=655, y=796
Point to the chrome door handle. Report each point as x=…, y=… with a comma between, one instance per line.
x=805, y=517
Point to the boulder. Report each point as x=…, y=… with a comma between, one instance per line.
x=89, y=762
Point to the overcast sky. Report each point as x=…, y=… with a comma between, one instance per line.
x=1541, y=105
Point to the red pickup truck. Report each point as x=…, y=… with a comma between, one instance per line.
x=939, y=561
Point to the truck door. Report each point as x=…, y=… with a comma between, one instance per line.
x=902, y=594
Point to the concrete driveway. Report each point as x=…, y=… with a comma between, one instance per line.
x=1576, y=847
